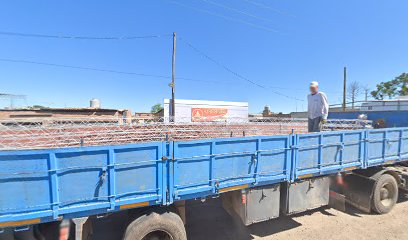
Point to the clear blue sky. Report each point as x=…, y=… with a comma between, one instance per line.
x=310, y=40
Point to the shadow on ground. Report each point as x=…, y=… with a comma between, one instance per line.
x=209, y=220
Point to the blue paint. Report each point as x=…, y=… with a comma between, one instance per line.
x=57, y=182
x=391, y=118
x=73, y=182
x=319, y=154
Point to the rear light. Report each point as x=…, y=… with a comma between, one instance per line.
x=339, y=179
x=64, y=230
x=243, y=197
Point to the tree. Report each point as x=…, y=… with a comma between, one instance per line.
x=38, y=107
x=396, y=87
x=353, y=91
x=156, y=108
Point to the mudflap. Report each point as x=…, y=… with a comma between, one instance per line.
x=357, y=191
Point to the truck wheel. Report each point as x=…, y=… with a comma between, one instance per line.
x=156, y=226
x=385, y=194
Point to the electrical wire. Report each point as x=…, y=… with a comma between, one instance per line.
x=19, y=34
x=225, y=17
x=234, y=72
x=237, y=10
x=232, y=82
x=107, y=70
x=103, y=70
x=120, y=72
x=82, y=68
x=125, y=72
x=261, y=5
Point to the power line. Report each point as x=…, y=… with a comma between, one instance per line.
x=232, y=82
x=237, y=10
x=82, y=68
x=115, y=71
x=19, y=34
x=219, y=64
x=201, y=80
x=105, y=70
x=233, y=72
x=258, y=4
x=225, y=17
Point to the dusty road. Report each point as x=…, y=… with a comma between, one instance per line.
x=209, y=221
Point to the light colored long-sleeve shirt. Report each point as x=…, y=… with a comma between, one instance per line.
x=318, y=106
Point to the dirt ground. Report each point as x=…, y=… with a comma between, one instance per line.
x=209, y=221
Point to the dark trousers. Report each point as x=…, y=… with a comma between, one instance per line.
x=315, y=124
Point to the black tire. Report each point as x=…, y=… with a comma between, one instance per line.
x=163, y=226
x=385, y=194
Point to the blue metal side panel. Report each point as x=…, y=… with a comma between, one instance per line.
x=324, y=153
x=204, y=167
x=191, y=168
x=386, y=146
x=391, y=118
x=274, y=161
x=82, y=179
x=52, y=183
x=25, y=181
x=139, y=173
x=404, y=144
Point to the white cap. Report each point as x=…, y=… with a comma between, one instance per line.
x=314, y=84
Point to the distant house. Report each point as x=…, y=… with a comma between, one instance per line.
x=268, y=113
x=63, y=113
x=142, y=117
x=63, y=116
x=399, y=104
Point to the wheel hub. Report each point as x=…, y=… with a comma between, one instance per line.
x=158, y=235
x=387, y=194
x=384, y=193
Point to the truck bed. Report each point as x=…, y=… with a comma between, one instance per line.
x=51, y=184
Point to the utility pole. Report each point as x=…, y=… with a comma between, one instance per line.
x=173, y=79
x=344, y=89
x=12, y=98
x=366, y=92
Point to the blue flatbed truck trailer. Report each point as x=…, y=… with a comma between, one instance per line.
x=257, y=178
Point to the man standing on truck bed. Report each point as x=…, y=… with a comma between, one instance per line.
x=318, y=108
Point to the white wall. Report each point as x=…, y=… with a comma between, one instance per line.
x=237, y=111
x=389, y=105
